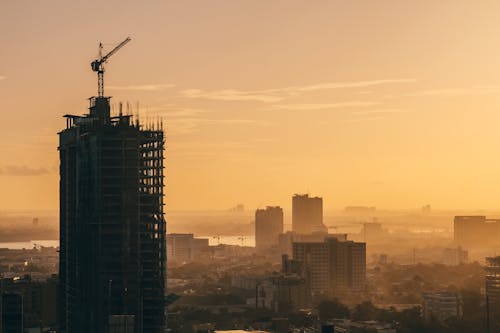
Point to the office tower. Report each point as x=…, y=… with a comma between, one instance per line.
x=333, y=266
x=307, y=214
x=268, y=226
x=11, y=313
x=112, y=226
x=476, y=232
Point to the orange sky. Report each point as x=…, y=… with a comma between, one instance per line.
x=394, y=104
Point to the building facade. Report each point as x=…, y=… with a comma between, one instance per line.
x=307, y=214
x=442, y=305
x=333, y=266
x=268, y=227
x=476, y=232
x=185, y=247
x=112, y=226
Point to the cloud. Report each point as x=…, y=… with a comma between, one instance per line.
x=322, y=106
x=377, y=111
x=169, y=110
x=232, y=95
x=2, y=77
x=189, y=125
x=22, y=170
x=143, y=87
x=279, y=94
x=451, y=92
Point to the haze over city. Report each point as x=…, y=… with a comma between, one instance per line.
x=249, y=166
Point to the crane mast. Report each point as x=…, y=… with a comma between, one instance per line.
x=98, y=65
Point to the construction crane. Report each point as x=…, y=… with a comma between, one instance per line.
x=98, y=65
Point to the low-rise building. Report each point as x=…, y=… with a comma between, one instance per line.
x=184, y=247
x=441, y=305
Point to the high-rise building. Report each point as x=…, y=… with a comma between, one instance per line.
x=307, y=214
x=476, y=232
x=268, y=227
x=333, y=266
x=112, y=226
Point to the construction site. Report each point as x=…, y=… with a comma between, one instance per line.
x=112, y=227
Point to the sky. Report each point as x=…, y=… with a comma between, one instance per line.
x=393, y=104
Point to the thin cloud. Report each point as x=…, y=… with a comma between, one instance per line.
x=189, y=125
x=232, y=95
x=378, y=111
x=279, y=94
x=451, y=92
x=2, y=77
x=359, y=120
x=143, y=87
x=322, y=106
x=22, y=170
x=169, y=110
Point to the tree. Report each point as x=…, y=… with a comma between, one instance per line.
x=331, y=309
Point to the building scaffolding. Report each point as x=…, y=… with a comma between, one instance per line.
x=112, y=224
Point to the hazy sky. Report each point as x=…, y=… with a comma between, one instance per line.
x=394, y=104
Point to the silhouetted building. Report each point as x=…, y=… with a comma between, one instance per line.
x=307, y=214
x=112, y=226
x=268, y=227
x=334, y=267
x=373, y=231
x=184, y=247
x=11, y=312
x=442, y=305
x=476, y=232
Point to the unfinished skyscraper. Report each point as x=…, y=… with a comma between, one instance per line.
x=112, y=226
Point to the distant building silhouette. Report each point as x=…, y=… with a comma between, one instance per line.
x=112, y=227
x=476, y=232
x=307, y=214
x=185, y=247
x=268, y=227
x=360, y=210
